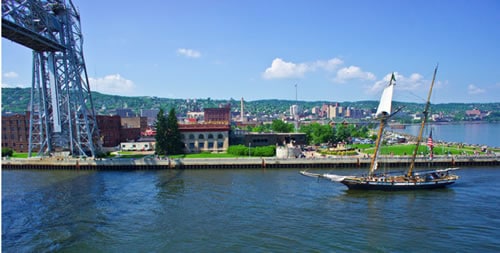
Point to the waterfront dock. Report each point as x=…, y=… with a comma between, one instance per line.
x=150, y=163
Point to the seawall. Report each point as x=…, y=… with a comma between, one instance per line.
x=240, y=163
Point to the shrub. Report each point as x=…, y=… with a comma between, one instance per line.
x=241, y=150
x=7, y=152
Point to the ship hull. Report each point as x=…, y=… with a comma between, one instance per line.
x=395, y=186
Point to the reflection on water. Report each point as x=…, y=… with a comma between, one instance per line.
x=241, y=210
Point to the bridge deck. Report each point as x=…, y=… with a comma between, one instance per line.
x=29, y=38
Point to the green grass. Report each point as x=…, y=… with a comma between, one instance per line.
x=19, y=155
x=407, y=149
x=205, y=155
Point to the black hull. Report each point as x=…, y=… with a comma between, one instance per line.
x=382, y=186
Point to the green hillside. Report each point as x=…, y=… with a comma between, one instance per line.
x=16, y=100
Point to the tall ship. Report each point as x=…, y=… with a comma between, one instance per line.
x=406, y=180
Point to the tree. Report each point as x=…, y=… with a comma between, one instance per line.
x=317, y=133
x=173, y=135
x=281, y=127
x=161, y=133
x=342, y=133
x=7, y=152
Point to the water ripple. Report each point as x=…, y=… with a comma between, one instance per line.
x=241, y=211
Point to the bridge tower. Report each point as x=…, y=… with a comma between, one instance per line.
x=62, y=115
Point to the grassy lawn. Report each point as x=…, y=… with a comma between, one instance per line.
x=407, y=149
x=128, y=154
x=19, y=155
x=205, y=155
x=400, y=149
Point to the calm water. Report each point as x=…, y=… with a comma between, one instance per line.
x=249, y=210
x=242, y=211
x=471, y=133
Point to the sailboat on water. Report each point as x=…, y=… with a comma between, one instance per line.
x=408, y=180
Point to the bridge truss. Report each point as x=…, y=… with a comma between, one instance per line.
x=62, y=115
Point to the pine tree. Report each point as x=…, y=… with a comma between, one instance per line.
x=174, y=144
x=161, y=133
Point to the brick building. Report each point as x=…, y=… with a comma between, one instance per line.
x=15, y=132
x=113, y=131
x=109, y=130
x=221, y=115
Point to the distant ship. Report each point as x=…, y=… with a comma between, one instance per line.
x=409, y=180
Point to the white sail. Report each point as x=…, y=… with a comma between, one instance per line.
x=384, y=108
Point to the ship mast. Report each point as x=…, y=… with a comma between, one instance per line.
x=374, y=164
x=383, y=113
x=422, y=125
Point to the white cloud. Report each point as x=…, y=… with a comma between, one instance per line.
x=10, y=74
x=189, y=53
x=412, y=83
x=282, y=69
x=329, y=65
x=353, y=72
x=474, y=90
x=112, y=84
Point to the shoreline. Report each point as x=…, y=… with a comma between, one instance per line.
x=130, y=164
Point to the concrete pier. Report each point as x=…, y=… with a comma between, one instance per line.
x=241, y=163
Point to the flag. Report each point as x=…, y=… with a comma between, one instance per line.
x=430, y=144
x=429, y=141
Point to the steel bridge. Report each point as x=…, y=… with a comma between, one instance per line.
x=62, y=115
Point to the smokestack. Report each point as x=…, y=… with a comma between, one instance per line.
x=242, y=117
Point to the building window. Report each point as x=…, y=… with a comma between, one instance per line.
x=201, y=145
x=191, y=145
x=220, y=136
x=201, y=137
x=210, y=145
x=191, y=137
x=210, y=136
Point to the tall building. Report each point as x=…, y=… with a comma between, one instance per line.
x=294, y=111
x=335, y=111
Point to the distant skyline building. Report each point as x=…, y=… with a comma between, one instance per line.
x=294, y=111
x=150, y=114
x=125, y=112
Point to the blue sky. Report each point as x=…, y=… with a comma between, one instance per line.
x=332, y=50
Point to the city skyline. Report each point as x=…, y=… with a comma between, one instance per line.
x=327, y=50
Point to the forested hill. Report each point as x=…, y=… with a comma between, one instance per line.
x=16, y=100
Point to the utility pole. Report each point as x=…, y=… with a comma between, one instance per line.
x=296, y=116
